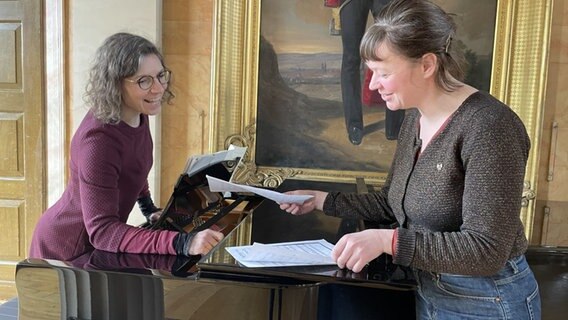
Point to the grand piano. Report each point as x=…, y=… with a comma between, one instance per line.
x=104, y=285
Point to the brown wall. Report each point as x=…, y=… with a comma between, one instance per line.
x=187, y=39
x=554, y=194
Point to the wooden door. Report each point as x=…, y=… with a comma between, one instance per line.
x=21, y=133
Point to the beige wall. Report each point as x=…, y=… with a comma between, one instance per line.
x=89, y=23
x=184, y=30
x=552, y=196
x=187, y=40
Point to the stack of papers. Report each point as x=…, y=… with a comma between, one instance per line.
x=298, y=253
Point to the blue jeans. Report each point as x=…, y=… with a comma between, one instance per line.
x=512, y=293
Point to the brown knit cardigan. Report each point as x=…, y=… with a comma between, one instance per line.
x=458, y=202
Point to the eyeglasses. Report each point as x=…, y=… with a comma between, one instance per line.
x=146, y=82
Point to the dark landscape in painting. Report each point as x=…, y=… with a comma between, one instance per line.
x=300, y=104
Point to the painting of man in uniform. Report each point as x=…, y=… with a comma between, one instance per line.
x=301, y=121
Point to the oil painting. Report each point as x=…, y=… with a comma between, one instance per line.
x=300, y=116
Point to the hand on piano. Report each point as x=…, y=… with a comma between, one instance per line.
x=308, y=206
x=203, y=241
x=355, y=250
x=154, y=216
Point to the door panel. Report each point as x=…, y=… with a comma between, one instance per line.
x=21, y=132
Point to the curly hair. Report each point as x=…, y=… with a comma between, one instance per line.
x=116, y=59
x=414, y=28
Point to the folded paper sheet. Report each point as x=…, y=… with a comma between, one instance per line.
x=218, y=185
x=298, y=253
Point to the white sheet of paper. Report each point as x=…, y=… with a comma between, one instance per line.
x=298, y=253
x=218, y=185
x=197, y=163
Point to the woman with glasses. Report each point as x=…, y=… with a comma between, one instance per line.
x=111, y=156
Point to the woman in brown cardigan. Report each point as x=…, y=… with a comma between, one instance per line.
x=455, y=183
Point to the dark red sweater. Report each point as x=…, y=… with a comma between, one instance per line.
x=109, y=167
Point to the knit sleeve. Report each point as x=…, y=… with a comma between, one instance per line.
x=369, y=206
x=145, y=191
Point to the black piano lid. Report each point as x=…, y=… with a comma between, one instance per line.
x=191, y=198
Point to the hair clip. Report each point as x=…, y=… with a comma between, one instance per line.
x=448, y=42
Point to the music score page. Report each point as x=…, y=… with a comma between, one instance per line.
x=297, y=253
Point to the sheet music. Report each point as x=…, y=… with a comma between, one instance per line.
x=197, y=163
x=218, y=185
x=298, y=253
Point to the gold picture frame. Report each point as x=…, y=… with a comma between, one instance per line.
x=518, y=78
